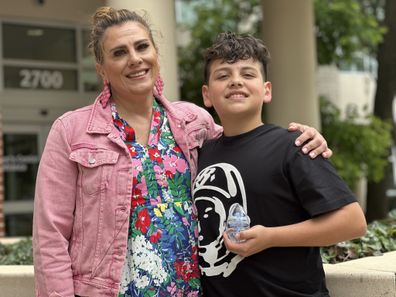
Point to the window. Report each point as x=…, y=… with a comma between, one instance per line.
x=21, y=159
x=89, y=77
x=39, y=43
x=44, y=57
x=20, y=165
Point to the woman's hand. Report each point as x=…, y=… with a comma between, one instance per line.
x=314, y=142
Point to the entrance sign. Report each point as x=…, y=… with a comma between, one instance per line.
x=40, y=78
x=44, y=78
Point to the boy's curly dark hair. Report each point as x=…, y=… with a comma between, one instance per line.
x=231, y=47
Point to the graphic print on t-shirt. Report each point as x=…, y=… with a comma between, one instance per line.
x=216, y=188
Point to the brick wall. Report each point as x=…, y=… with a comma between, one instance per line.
x=2, y=226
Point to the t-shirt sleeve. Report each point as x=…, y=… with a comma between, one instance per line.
x=316, y=183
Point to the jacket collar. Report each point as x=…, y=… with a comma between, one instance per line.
x=178, y=113
x=101, y=121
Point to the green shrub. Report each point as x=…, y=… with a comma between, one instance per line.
x=19, y=253
x=380, y=238
x=361, y=143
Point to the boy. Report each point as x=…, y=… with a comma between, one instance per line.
x=295, y=204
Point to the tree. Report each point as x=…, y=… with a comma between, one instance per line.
x=377, y=202
x=345, y=28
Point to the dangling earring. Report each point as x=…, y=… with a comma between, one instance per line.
x=105, y=94
x=158, y=87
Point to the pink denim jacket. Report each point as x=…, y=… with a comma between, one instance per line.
x=82, y=200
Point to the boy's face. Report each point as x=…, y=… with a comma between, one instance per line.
x=236, y=89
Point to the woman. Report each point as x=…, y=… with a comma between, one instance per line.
x=113, y=213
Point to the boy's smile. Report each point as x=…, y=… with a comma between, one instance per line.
x=237, y=92
x=236, y=95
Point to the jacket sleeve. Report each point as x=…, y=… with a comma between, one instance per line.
x=214, y=130
x=53, y=217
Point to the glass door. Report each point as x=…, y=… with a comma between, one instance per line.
x=22, y=149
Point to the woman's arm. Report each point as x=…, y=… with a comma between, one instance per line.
x=53, y=218
x=315, y=142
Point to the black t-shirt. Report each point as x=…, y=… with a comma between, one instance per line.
x=278, y=185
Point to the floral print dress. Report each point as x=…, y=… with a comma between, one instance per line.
x=162, y=253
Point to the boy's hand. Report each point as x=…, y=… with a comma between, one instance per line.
x=317, y=143
x=256, y=240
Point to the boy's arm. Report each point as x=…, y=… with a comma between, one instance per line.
x=345, y=223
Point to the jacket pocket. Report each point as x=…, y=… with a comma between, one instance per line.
x=95, y=167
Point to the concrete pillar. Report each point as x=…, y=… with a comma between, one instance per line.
x=2, y=225
x=288, y=31
x=163, y=23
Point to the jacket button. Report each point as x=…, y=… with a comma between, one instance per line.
x=91, y=161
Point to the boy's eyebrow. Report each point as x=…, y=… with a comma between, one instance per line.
x=221, y=69
x=250, y=68
x=226, y=68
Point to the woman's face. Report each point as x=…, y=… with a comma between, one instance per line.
x=130, y=61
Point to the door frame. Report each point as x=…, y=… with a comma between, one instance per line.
x=41, y=130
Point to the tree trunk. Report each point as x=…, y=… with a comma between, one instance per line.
x=377, y=201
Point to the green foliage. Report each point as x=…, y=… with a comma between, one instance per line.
x=360, y=144
x=344, y=28
x=19, y=253
x=211, y=18
x=380, y=238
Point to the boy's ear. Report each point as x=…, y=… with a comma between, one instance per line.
x=205, y=95
x=267, y=92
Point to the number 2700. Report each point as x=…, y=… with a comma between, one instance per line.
x=34, y=78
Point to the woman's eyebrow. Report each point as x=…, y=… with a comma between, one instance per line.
x=123, y=46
